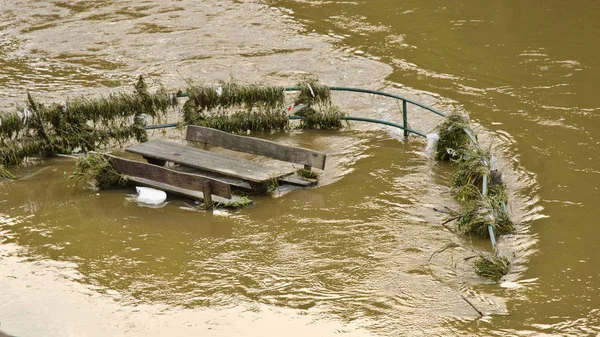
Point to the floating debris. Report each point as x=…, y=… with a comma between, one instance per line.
x=79, y=125
x=313, y=93
x=97, y=169
x=4, y=173
x=263, y=107
x=243, y=121
x=481, y=208
x=453, y=139
x=491, y=266
x=241, y=202
x=475, y=216
x=309, y=174
x=327, y=118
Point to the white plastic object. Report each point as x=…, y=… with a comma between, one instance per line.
x=432, y=141
x=150, y=196
x=493, y=164
x=219, y=91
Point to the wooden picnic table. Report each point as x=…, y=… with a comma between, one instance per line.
x=220, y=164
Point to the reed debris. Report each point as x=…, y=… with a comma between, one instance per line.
x=491, y=266
x=96, y=168
x=453, y=139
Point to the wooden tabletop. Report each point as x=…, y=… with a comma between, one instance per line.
x=209, y=161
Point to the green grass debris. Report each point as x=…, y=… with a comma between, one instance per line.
x=313, y=93
x=96, y=168
x=475, y=216
x=471, y=166
x=243, y=121
x=326, y=118
x=491, y=266
x=243, y=201
x=309, y=174
x=4, y=173
x=80, y=124
x=453, y=140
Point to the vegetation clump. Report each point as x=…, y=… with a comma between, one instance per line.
x=475, y=216
x=242, y=121
x=491, y=266
x=313, y=93
x=327, y=118
x=309, y=174
x=471, y=166
x=96, y=168
x=4, y=173
x=78, y=125
x=243, y=201
x=262, y=107
x=480, y=208
x=453, y=138
x=206, y=100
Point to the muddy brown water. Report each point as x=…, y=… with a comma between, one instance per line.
x=351, y=256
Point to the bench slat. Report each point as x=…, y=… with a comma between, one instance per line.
x=256, y=146
x=163, y=175
x=183, y=191
x=209, y=161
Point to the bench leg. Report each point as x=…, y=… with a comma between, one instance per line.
x=259, y=188
x=307, y=167
x=155, y=161
x=208, y=203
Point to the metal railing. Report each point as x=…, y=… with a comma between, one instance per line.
x=404, y=126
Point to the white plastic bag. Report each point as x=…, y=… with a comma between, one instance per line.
x=150, y=196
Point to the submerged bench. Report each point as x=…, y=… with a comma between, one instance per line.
x=236, y=171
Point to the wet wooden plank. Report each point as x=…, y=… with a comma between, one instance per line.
x=231, y=181
x=184, y=192
x=256, y=146
x=209, y=161
x=167, y=176
x=294, y=180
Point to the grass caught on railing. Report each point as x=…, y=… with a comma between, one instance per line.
x=313, y=93
x=453, y=139
x=243, y=121
x=491, y=266
x=471, y=166
x=327, y=118
x=475, y=216
x=79, y=124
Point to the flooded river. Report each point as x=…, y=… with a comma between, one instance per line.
x=363, y=253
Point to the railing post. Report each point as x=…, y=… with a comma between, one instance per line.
x=484, y=190
x=405, y=118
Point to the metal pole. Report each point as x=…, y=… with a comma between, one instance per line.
x=484, y=190
x=405, y=118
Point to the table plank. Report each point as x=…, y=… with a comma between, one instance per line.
x=209, y=161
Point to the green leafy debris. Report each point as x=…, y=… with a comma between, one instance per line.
x=80, y=124
x=4, y=173
x=492, y=267
x=453, y=140
x=97, y=169
x=309, y=174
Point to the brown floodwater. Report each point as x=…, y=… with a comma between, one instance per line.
x=361, y=254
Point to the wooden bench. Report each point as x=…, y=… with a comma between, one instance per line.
x=236, y=171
